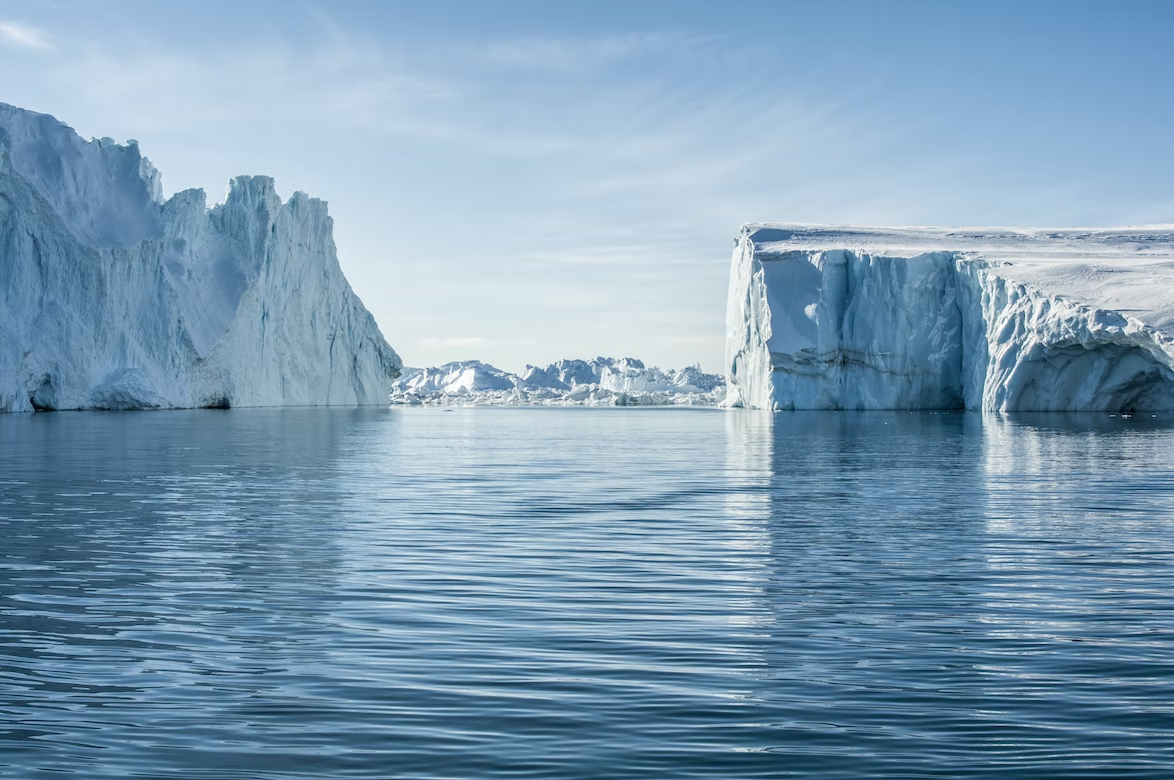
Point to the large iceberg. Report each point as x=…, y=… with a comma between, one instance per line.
x=113, y=298
x=921, y=318
x=598, y=382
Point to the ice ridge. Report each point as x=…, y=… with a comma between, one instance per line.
x=983, y=319
x=598, y=382
x=114, y=298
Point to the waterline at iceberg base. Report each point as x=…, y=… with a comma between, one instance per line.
x=932, y=318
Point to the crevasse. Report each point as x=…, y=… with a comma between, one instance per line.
x=851, y=318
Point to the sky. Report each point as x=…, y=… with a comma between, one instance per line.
x=520, y=182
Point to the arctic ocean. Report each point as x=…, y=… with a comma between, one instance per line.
x=562, y=592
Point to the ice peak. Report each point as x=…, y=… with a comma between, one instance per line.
x=257, y=191
x=117, y=299
x=108, y=194
x=601, y=381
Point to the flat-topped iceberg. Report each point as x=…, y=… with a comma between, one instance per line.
x=920, y=318
x=113, y=298
x=598, y=382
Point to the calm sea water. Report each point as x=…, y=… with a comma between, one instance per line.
x=559, y=593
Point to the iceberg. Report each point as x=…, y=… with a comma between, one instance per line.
x=1005, y=320
x=112, y=297
x=598, y=382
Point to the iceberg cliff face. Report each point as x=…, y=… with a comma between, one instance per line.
x=112, y=298
x=1000, y=320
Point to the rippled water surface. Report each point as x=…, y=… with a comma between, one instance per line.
x=555, y=593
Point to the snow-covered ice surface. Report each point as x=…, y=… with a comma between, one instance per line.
x=926, y=318
x=598, y=382
x=113, y=298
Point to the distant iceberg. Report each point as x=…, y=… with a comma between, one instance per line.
x=598, y=382
x=113, y=298
x=1000, y=320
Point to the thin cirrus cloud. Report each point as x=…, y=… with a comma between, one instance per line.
x=23, y=36
x=269, y=84
x=581, y=54
x=452, y=341
x=607, y=141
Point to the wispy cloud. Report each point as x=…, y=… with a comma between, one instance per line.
x=583, y=53
x=452, y=341
x=23, y=36
x=347, y=87
x=595, y=251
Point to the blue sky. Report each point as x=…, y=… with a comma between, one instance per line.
x=520, y=182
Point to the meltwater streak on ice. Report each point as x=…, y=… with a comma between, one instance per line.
x=585, y=593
